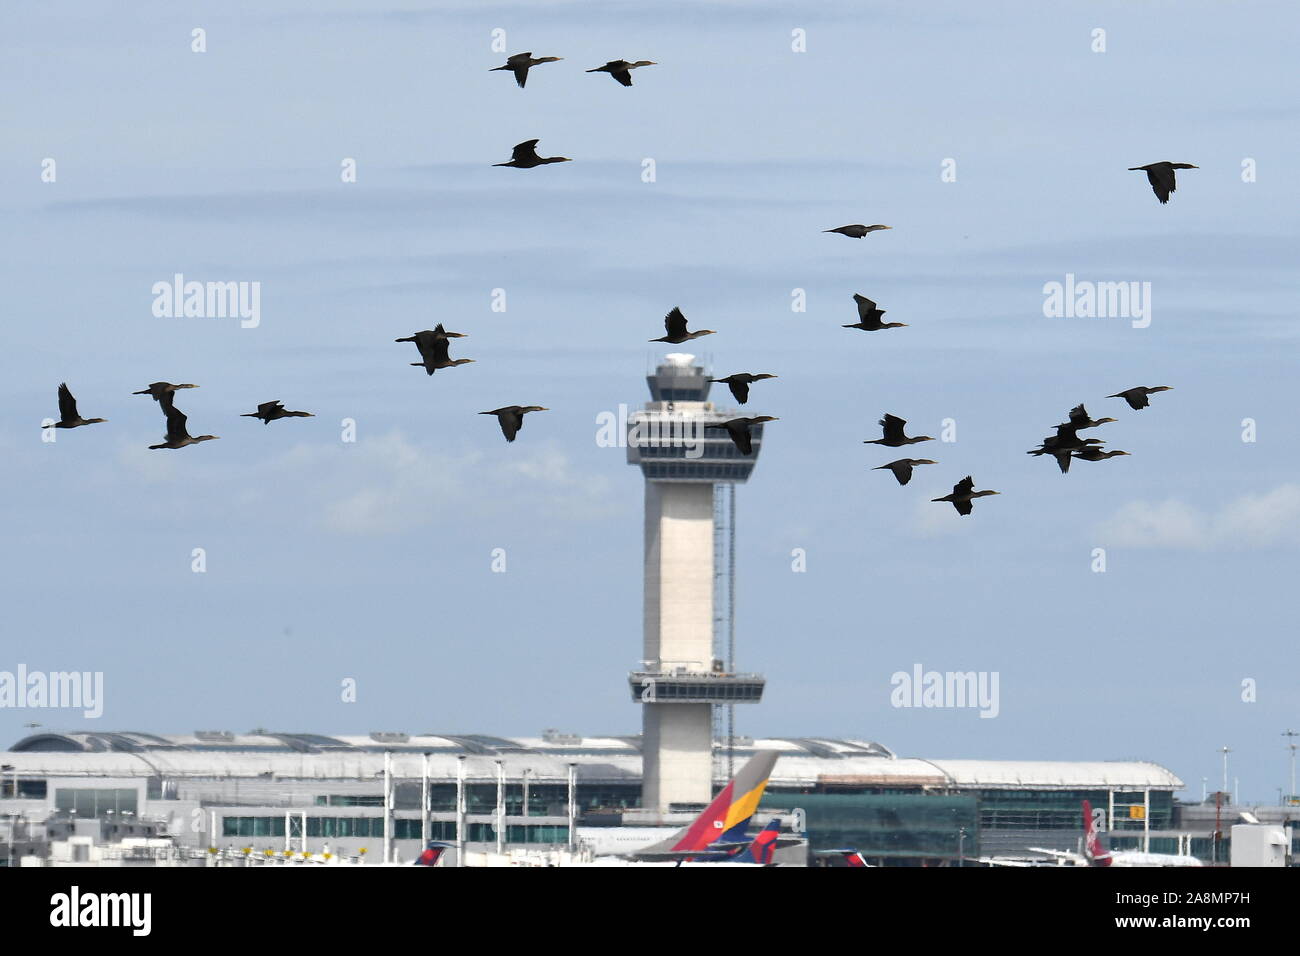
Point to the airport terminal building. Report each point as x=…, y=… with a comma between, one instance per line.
x=266, y=791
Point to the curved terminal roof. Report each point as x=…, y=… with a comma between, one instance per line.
x=805, y=761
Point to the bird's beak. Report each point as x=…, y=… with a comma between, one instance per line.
x=889, y=227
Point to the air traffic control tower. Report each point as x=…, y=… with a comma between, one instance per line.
x=687, y=667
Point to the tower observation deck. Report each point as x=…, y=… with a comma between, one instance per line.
x=682, y=678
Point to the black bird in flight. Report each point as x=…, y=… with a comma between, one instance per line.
x=520, y=63
x=857, y=230
x=963, y=494
x=740, y=382
x=177, y=435
x=1137, y=397
x=902, y=468
x=524, y=156
x=1161, y=177
x=69, y=417
x=675, y=325
x=1093, y=453
x=869, y=317
x=511, y=418
x=1062, y=443
x=271, y=411
x=894, y=437
x=437, y=332
x=1079, y=419
x=621, y=70
x=163, y=392
x=738, y=429
x=433, y=346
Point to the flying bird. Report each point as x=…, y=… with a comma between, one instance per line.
x=621, y=70
x=1093, y=453
x=69, y=417
x=857, y=230
x=524, y=156
x=177, y=436
x=963, y=494
x=437, y=332
x=1137, y=397
x=869, y=317
x=271, y=411
x=520, y=63
x=1161, y=177
x=511, y=418
x=162, y=392
x=894, y=437
x=675, y=325
x=738, y=429
x=1060, y=445
x=740, y=382
x=433, y=345
x=902, y=468
x=1079, y=419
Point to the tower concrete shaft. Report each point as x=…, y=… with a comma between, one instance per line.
x=680, y=679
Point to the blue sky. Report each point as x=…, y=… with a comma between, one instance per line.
x=372, y=560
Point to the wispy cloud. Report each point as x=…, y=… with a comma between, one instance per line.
x=393, y=485
x=1269, y=519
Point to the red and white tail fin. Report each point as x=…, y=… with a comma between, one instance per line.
x=1092, y=848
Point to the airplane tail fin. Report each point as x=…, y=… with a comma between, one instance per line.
x=841, y=856
x=432, y=854
x=762, y=850
x=729, y=813
x=1092, y=848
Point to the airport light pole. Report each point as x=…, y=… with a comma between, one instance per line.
x=1291, y=734
x=460, y=810
x=573, y=806
x=388, y=807
x=1225, y=751
x=424, y=800
x=501, y=808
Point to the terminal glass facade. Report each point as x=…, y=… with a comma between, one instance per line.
x=95, y=801
x=896, y=827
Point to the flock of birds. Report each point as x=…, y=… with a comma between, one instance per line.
x=434, y=344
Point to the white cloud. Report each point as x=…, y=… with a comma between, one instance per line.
x=392, y=485
x=1264, y=520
